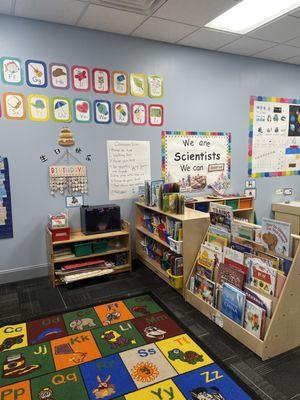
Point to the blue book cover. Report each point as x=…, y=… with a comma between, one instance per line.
x=233, y=303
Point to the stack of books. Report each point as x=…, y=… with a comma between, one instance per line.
x=240, y=269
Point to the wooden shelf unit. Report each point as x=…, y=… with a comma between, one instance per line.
x=78, y=237
x=202, y=204
x=194, y=225
x=283, y=329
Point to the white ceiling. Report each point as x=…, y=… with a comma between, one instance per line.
x=173, y=21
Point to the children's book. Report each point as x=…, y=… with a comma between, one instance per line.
x=281, y=278
x=250, y=244
x=255, y=318
x=154, y=193
x=262, y=275
x=277, y=236
x=216, y=240
x=205, y=289
x=209, y=257
x=233, y=303
x=221, y=216
x=233, y=255
x=220, y=232
x=229, y=274
x=285, y=264
x=242, y=230
x=260, y=300
x=266, y=256
x=173, y=203
x=240, y=247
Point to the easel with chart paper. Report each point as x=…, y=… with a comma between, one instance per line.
x=283, y=329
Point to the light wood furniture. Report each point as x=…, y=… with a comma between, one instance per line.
x=283, y=329
x=78, y=237
x=288, y=212
x=242, y=206
x=194, y=224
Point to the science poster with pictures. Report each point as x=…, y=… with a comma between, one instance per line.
x=274, y=137
x=197, y=160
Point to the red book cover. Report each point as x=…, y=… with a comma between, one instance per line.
x=230, y=274
x=240, y=267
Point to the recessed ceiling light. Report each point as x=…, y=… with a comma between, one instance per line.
x=250, y=14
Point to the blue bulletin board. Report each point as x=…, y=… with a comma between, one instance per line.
x=6, y=226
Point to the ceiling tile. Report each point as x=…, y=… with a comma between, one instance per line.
x=163, y=30
x=296, y=13
x=294, y=42
x=281, y=30
x=247, y=46
x=194, y=12
x=279, y=53
x=5, y=6
x=293, y=60
x=208, y=39
x=60, y=11
x=110, y=19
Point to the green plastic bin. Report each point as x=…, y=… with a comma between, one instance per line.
x=234, y=203
x=82, y=249
x=100, y=247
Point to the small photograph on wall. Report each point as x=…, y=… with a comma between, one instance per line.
x=80, y=78
x=139, y=113
x=74, y=201
x=294, y=122
x=36, y=73
x=102, y=112
x=100, y=80
x=138, y=85
x=38, y=107
x=156, y=114
x=14, y=105
x=120, y=83
x=61, y=108
x=121, y=113
x=155, y=86
x=59, y=76
x=82, y=110
x=11, y=71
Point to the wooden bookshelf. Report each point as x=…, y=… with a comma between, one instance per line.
x=242, y=206
x=194, y=224
x=78, y=237
x=282, y=330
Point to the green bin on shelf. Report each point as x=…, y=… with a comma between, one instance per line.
x=100, y=247
x=233, y=203
x=82, y=249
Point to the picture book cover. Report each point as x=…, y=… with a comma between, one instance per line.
x=281, y=278
x=230, y=274
x=221, y=216
x=210, y=256
x=154, y=198
x=277, y=236
x=255, y=317
x=233, y=255
x=262, y=275
x=216, y=240
x=242, y=230
x=220, y=232
x=240, y=247
x=205, y=289
x=233, y=303
x=266, y=256
x=250, y=244
x=285, y=264
x=260, y=300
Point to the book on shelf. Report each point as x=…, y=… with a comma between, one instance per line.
x=229, y=274
x=255, y=318
x=236, y=259
x=277, y=236
x=221, y=216
x=242, y=248
x=254, y=246
x=233, y=303
x=262, y=275
x=281, y=278
x=216, y=240
x=260, y=300
x=220, y=232
x=210, y=256
x=205, y=289
x=155, y=192
x=242, y=230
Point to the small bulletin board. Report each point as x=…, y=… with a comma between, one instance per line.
x=6, y=226
x=274, y=137
x=196, y=160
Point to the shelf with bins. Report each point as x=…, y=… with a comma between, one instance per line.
x=152, y=242
x=110, y=247
x=242, y=206
x=282, y=330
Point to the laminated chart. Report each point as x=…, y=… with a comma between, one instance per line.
x=274, y=137
x=6, y=227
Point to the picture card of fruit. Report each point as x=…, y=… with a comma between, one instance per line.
x=197, y=160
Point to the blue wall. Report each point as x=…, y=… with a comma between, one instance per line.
x=203, y=91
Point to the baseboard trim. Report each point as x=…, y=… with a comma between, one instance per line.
x=22, y=273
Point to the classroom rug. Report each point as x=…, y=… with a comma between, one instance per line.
x=131, y=349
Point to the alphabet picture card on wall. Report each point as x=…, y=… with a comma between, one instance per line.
x=100, y=78
x=102, y=112
x=121, y=113
x=155, y=86
x=36, y=73
x=80, y=78
x=61, y=109
x=14, y=105
x=82, y=110
x=119, y=83
x=138, y=85
x=59, y=76
x=139, y=114
x=156, y=114
x=6, y=226
x=38, y=107
x=11, y=71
